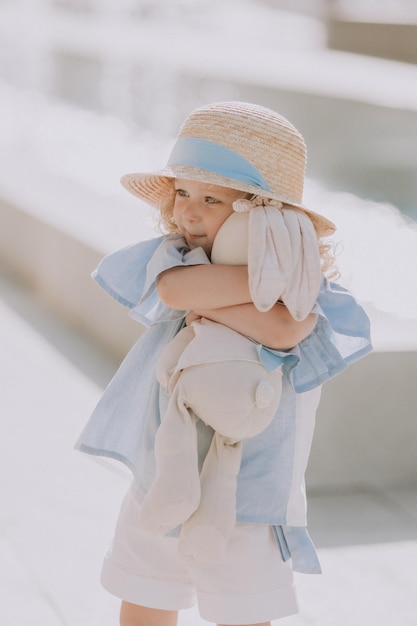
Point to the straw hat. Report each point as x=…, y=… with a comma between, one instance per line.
x=237, y=145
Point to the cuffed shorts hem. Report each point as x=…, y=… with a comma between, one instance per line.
x=169, y=595
x=250, y=584
x=248, y=609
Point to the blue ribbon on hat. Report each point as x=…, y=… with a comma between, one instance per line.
x=211, y=156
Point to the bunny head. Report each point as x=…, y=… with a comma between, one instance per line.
x=279, y=245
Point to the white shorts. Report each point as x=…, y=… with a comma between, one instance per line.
x=250, y=584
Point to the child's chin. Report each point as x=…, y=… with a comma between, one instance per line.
x=196, y=244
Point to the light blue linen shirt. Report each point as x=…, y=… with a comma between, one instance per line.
x=271, y=484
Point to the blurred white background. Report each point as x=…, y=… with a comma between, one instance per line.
x=93, y=89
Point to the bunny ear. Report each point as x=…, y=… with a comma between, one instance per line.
x=269, y=256
x=303, y=285
x=283, y=260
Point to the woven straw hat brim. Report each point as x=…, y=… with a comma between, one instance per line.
x=152, y=187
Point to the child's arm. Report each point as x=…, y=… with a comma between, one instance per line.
x=275, y=329
x=204, y=286
x=215, y=291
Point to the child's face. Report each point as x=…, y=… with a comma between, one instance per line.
x=200, y=209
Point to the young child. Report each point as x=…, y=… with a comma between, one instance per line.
x=224, y=152
x=214, y=372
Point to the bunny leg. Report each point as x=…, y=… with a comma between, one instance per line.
x=205, y=534
x=175, y=492
x=245, y=398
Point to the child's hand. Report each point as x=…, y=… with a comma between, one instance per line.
x=192, y=317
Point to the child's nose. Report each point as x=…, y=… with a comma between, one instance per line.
x=191, y=210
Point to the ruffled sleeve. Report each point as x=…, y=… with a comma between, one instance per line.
x=340, y=337
x=129, y=275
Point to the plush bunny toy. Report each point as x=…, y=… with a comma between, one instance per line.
x=210, y=371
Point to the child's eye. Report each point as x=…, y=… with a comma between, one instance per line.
x=181, y=192
x=211, y=200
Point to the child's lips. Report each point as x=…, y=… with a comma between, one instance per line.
x=192, y=237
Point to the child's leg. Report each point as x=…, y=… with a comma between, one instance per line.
x=258, y=624
x=134, y=615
